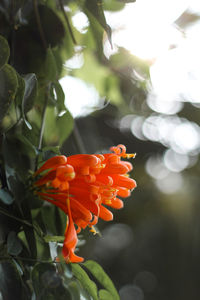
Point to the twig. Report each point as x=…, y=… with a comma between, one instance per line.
x=67, y=21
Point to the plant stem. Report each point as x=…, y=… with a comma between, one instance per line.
x=67, y=21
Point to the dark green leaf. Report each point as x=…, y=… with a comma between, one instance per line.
x=10, y=283
x=4, y=51
x=98, y=272
x=14, y=245
x=30, y=92
x=8, y=88
x=20, y=90
x=47, y=283
x=84, y=279
x=51, y=24
x=17, y=187
x=29, y=231
x=5, y=197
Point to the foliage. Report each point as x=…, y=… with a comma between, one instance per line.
x=36, y=38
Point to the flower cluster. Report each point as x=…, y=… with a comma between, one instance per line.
x=83, y=186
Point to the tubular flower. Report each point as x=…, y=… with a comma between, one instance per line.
x=84, y=186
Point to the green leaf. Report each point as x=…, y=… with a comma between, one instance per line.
x=42, y=277
x=10, y=283
x=58, y=95
x=5, y=197
x=84, y=279
x=57, y=128
x=14, y=245
x=105, y=295
x=54, y=238
x=95, y=7
x=29, y=231
x=4, y=51
x=50, y=68
x=47, y=283
x=8, y=88
x=73, y=288
x=112, y=5
x=98, y=272
x=30, y=92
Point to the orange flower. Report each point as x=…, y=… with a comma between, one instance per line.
x=83, y=186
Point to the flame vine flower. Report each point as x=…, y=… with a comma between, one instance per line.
x=84, y=186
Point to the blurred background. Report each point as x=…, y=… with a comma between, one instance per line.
x=144, y=92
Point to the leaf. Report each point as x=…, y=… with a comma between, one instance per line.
x=30, y=92
x=54, y=238
x=84, y=279
x=57, y=128
x=29, y=231
x=5, y=197
x=8, y=88
x=73, y=288
x=51, y=24
x=10, y=283
x=50, y=69
x=4, y=51
x=59, y=96
x=47, y=283
x=95, y=7
x=98, y=272
x=112, y=5
x=14, y=245
x=39, y=273
x=105, y=295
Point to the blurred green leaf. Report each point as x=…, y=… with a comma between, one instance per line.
x=98, y=272
x=95, y=7
x=10, y=283
x=4, y=51
x=105, y=295
x=14, y=245
x=59, y=96
x=57, y=128
x=51, y=24
x=8, y=88
x=50, y=69
x=73, y=288
x=112, y=5
x=47, y=283
x=54, y=238
x=5, y=196
x=84, y=279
